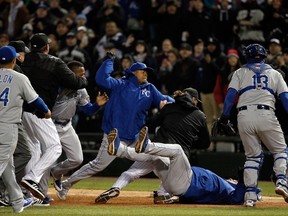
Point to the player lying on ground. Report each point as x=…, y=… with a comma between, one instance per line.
x=193, y=185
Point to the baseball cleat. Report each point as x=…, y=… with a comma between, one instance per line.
x=57, y=182
x=41, y=203
x=113, y=142
x=282, y=191
x=250, y=203
x=3, y=203
x=63, y=193
x=105, y=196
x=33, y=188
x=142, y=140
x=48, y=199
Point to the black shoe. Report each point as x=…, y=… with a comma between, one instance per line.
x=105, y=196
x=33, y=188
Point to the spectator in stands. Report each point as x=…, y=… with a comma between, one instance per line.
x=213, y=47
x=206, y=79
x=166, y=67
x=198, y=50
x=250, y=19
x=110, y=11
x=15, y=16
x=72, y=52
x=4, y=39
x=161, y=54
x=27, y=32
x=54, y=45
x=56, y=11
x=197, y=22
x=183, y=74
x=224, y=20
x=61, y=31
x=276, y=17
x=170, y=23
x=112, y=34
x=275, y=52
x=232, y=63
x=41, y=20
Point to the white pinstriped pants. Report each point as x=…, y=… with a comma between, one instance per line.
x=41, y=132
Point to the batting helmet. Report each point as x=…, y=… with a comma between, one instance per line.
x=255, y=51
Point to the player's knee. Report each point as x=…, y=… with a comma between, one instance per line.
x=77, y=161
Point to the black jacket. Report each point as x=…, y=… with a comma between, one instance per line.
x=47, y=74
x=184, y=124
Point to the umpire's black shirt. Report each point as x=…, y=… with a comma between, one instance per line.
x=184, y=124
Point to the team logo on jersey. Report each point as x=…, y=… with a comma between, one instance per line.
x=145, y=92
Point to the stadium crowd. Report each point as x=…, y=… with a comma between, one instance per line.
x=190, y=43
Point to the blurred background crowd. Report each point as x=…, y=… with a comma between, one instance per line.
x=189, y=43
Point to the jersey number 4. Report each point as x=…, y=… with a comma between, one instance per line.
x=4, y=96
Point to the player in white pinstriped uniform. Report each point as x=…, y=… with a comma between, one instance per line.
x=257, y=84
x=64, y=109
x=46, y=73
x=14, y=89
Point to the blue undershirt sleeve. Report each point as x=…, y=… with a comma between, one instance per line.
x=40, y=105
x=229, y=101
x=89, y=109
x=284, y=100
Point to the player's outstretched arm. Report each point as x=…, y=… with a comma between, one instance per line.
x=102, y=99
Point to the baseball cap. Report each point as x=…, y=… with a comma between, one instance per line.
x=42, y=5
x=81, y=16
x=70, y=34
x=212, y=40
x=185, y=46
x=7, y=54
x=82, y=28
x=139, y=66
x=19, y=46
x=275, y=41
x=193, y=93
x=232, y=52
x=39, y=40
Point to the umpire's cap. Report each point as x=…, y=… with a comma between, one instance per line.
x=138, y=66
x=39, y=40
x=193, y=93
x=19, y=46
x=7, y=54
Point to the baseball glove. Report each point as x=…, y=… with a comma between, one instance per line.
x=219, y=129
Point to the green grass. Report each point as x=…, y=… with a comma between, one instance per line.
x=148, y=185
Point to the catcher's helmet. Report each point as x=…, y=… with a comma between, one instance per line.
x=255, y=51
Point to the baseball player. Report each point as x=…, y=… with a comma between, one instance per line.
x=64, y=109
x=129, y=101
x=257, y=85
x=14, y=88
x=47, y=74
x=22, y=153
x=191, y=184
x=180, y=122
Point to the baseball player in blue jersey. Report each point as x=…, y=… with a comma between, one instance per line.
x=257, y=84
x=14, y=89
x=191, y=184
x=129, y=101
x=62, y=112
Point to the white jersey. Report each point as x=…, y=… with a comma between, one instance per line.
x=67, y=102
x=14, y=89
x=261, y=90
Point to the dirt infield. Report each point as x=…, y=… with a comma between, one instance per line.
x=81, y=197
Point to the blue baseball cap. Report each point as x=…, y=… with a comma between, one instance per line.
x=140, y=66
x=7, y=54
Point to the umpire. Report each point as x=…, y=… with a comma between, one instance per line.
x=47, y=74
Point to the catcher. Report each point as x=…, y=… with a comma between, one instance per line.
x=257, y=84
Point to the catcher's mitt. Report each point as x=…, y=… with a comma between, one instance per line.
x=220, y=128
